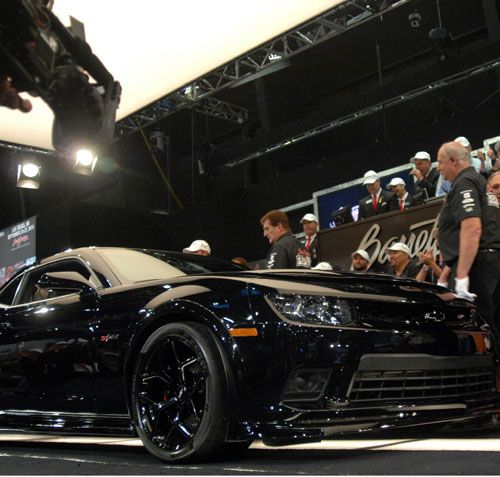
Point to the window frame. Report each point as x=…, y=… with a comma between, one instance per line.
x=44, y=268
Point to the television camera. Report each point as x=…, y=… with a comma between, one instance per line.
x=43, y=57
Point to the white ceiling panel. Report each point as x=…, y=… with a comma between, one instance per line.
x=154, y=47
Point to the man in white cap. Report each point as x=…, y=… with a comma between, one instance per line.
x=378, y=201
x=425, y=176
x=401, y=262
x=310, y=241
x=398, y=187
x=325, y=266
x=360, y=261
x=198, y=247
x=481, y=165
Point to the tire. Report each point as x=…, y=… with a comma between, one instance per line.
x=179, y=394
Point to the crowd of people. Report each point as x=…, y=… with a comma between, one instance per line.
x=468, y=233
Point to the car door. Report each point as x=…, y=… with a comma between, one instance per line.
x=46, y=345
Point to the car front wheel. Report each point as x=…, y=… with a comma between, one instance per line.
x=179, y=394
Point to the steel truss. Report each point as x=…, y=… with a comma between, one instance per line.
x=339, y=19
x=28, y=149
x=429, y=88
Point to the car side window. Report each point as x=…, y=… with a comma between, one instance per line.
x=9, y=292
x=33, y=291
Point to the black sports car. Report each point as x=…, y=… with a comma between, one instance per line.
x=199, y=357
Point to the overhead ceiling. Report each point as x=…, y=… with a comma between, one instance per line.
x=156, y=46
x=378, y=69
x=378, y=55
x=373, y=77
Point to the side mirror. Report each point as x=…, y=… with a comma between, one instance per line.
x=71, y=281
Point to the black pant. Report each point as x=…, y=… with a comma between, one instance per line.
x=484, y=279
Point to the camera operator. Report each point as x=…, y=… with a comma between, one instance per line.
x=10, y=98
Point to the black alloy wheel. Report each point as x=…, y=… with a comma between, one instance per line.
x=179, y=394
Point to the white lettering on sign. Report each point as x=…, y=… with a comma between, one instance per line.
x=20, y=229
x=421, y=238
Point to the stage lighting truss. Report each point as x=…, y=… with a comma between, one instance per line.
x=28, y=174
x=197, y=95
x=373, y=109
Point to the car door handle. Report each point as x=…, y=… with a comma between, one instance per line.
x=5, y=326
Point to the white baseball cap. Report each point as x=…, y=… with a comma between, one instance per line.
x=196, y=246
x=421, y=155
x=309, y=218
x=323, y=266
x=462, y=140
x=363, y=253
x=370, y=177
x=396, y=181
x=399, y=247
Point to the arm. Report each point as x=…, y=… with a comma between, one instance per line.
x=277, y=258
x=445, y=276
x=10, y=98
x=470, y=234
x=429, y=262
x=436, y=269
x=422, y=275
x=393, y=202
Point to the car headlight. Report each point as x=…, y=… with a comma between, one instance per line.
x=312, y=309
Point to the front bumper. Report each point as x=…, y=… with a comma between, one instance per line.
x=389, y=392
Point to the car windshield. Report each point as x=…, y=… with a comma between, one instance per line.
x=141, y=265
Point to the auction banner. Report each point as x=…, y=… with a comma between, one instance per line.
x=414, y=227
x=17, y=247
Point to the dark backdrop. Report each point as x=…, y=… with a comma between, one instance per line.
x=229, y=219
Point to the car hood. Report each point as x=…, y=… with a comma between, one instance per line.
x=350, y=285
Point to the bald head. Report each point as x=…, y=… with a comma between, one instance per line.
x=456, y=150
x=452, y=159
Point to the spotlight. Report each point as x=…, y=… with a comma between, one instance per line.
x=28, y=174
x=85, y=161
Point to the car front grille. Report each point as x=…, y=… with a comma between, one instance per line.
x=420, y=378
x=407, y=314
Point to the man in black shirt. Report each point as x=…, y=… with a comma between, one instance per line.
x=469, y=234
x=401, y=261
x=284, y=251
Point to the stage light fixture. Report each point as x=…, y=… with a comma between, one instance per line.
x=28, y=174
x=85, y=161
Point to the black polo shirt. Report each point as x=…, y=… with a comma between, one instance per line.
x=283, y=253
x=468, y=198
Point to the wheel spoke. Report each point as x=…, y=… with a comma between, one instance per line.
x=184, y=431
x=176, y=357
x=163, y=377
x=185, y=365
